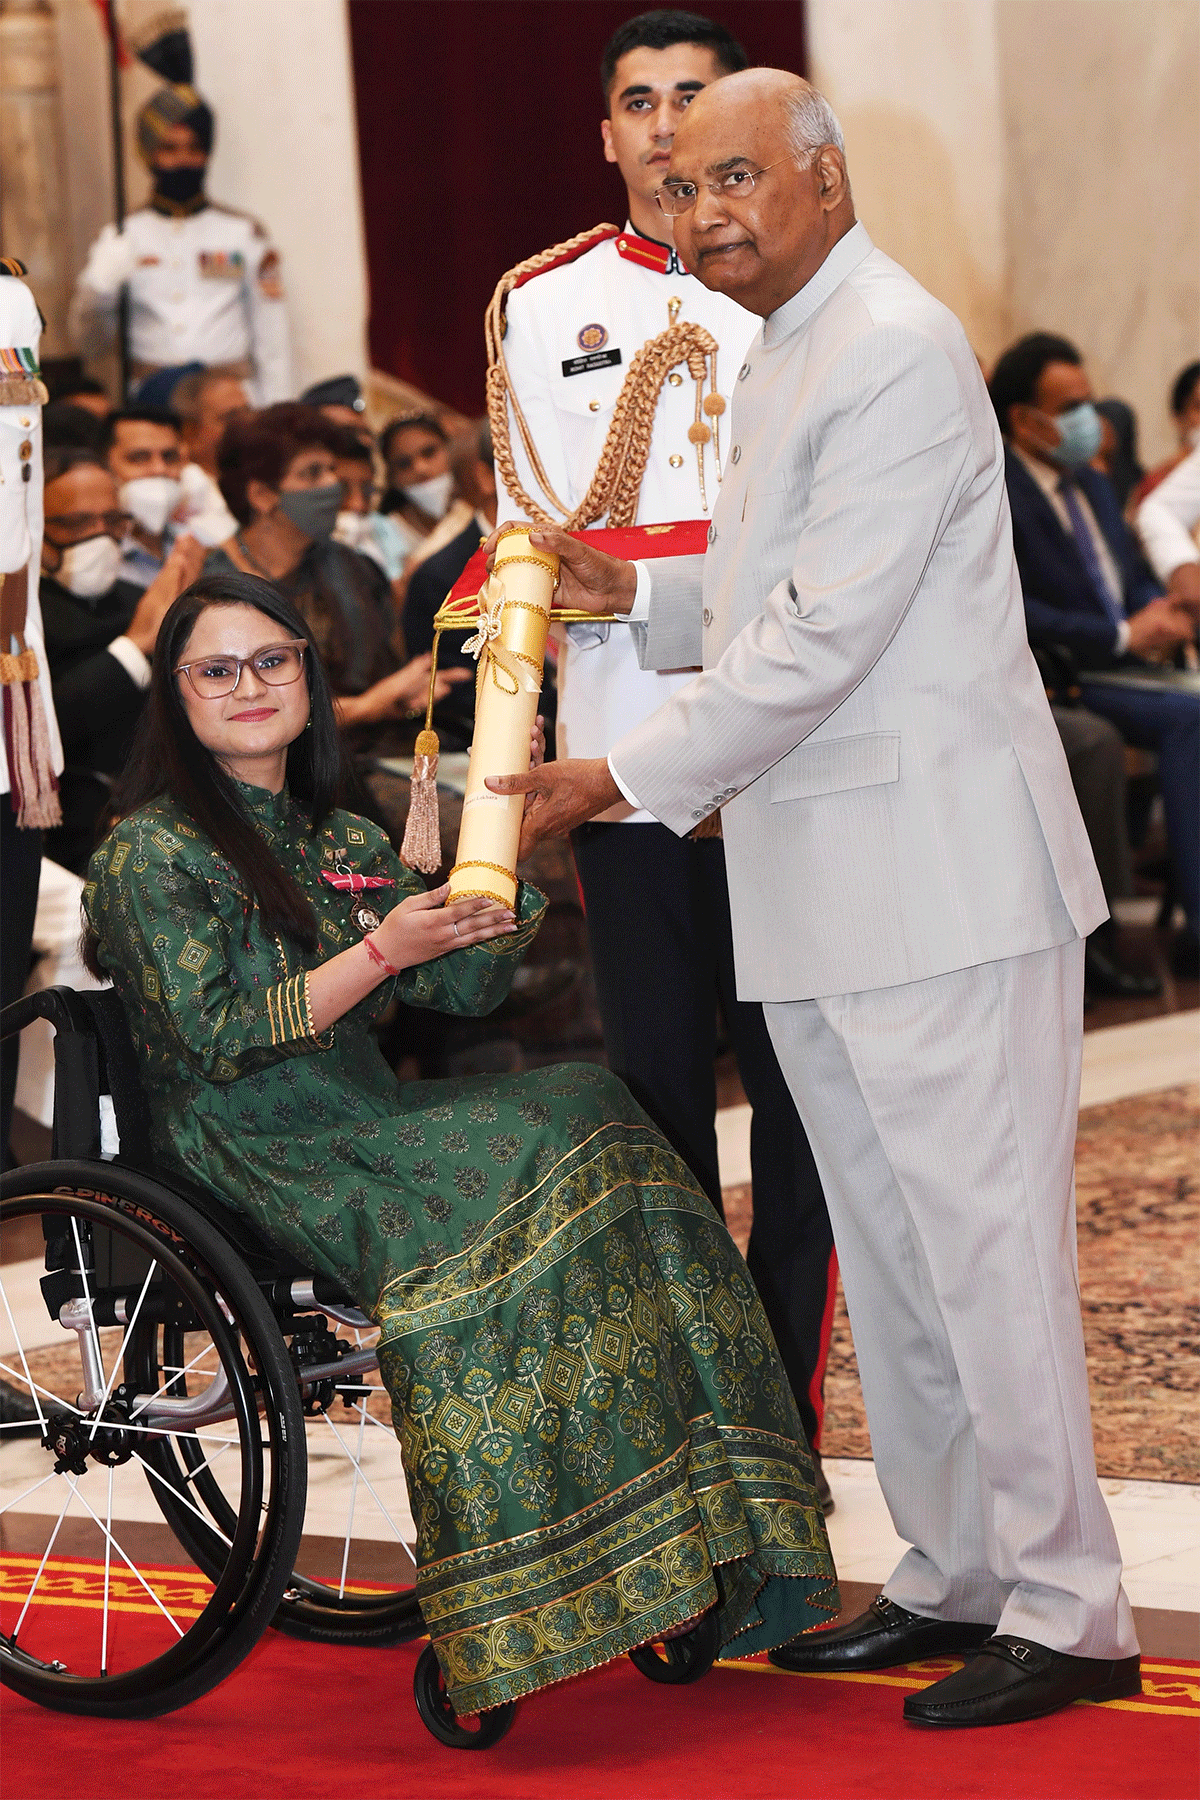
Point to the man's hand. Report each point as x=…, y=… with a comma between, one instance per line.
x=588, y=580
x=1160, y=625
x=559, y=796
x=180, y=569
x=1183, y=589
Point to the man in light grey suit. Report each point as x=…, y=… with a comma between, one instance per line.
x=911, y=886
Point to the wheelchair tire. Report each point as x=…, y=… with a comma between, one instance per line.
x=440, y=1718
x=123, y=1240
x=679, y=1660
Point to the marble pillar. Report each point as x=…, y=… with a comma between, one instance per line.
x=34, y=214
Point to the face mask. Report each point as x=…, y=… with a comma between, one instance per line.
x=178, y=185
x=90, y=568
x=151, y=499
x=1080, y=435
x=432, y=496
x=313, y=511
x=353, y=529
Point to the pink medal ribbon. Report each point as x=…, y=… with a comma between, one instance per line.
x=347, y=882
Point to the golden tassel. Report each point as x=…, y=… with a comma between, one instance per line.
x=422, y=846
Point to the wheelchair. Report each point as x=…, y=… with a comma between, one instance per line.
x=173, y=1382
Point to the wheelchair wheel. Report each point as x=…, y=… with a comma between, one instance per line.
x=439, y=1717
x=678, y=1660
x=106, y=1611
x=353, y=1578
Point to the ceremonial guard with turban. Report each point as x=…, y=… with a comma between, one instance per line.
x=203, y=281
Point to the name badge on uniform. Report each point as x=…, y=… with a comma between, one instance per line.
x=595, y=359
x=222, y=265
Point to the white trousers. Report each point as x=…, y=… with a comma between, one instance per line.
x=942, y=1115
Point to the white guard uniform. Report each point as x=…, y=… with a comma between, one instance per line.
x=21, y=499
x=202, y=288
x=564, y=326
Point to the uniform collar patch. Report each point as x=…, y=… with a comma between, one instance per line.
x=648, y=253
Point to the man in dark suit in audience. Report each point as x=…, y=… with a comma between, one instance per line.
x=1086, y=586
x=100, y=634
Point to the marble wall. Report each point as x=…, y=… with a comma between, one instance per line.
x=1036, y=163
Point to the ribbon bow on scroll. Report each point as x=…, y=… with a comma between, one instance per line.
x=487, y=649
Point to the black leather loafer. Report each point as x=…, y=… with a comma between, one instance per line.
x=1010, y=1679
x=879, y=1639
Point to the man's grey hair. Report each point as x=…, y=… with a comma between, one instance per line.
x=812, y=123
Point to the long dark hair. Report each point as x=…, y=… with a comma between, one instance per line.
x=168, y=758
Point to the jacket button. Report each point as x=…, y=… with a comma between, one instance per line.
x=675, y=378
x=712, y=534
x=743, y=371
x=735, y=455
x=706, y=615
x=593, y=406
x=676, y=461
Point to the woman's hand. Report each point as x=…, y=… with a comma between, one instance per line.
x=423, y=927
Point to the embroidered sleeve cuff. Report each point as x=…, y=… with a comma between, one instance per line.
x=288, y=1010
x=131, y=659
x=627, y=791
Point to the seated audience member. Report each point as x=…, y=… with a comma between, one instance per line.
x=143, y=447
x=1117, y=456
x=419, y=501
x=205, y=401
x=1167, y=522
x=474, y=474
x=1087, y=587
x=354, y=457
x=340, y=399
x=278, y=472
x=100, y=634
x=1184, y=402
x=492, y=1227
x=83, y=391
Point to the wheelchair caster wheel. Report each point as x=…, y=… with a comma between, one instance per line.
x=680, y=1659
x=439, y=1717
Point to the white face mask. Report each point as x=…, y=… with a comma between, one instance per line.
x=90, y=568
x=151, y=499
x=432, y=496
x=353, y=529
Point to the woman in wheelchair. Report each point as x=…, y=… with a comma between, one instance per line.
x=597, y=1433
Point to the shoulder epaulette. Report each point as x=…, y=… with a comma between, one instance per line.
x=234, y=212
x=556, y=257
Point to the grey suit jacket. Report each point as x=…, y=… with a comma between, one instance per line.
x=896, y=799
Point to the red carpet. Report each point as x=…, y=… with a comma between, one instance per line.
x=313, y=1723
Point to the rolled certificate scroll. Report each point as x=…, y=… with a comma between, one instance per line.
x=511, y=647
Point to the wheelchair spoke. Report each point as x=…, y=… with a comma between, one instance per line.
x=107, y=1575
x=204, y=1518
x=45, y=1559
x=117, y=1360
x=368, y=1484
x=21, y=1353
x=136, y=1573
x=362, y=1416
x=146, y=1400
x=25, y=1495
x=57, y=1398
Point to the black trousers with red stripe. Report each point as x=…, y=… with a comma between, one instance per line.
x=662, y=947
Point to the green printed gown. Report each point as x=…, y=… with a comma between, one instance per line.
x=597, y=1433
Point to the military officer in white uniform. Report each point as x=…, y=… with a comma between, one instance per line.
x=203, y=281
x=573, y=321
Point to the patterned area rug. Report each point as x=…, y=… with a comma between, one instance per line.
x=1138, y=1208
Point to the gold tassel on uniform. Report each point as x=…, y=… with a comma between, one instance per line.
x=31, y=774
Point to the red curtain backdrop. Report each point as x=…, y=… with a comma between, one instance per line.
x=479, y=141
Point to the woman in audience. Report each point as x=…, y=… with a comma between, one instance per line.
x=420, y=506
x=1185, y=415
x=599, y=1441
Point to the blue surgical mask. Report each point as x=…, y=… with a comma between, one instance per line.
x=1080, y=434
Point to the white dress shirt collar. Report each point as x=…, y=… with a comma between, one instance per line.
x=842, y=260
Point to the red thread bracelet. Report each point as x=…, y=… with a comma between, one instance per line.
x=376, y=955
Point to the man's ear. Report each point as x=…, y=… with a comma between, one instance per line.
x=833, y=183
x=610, y=154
